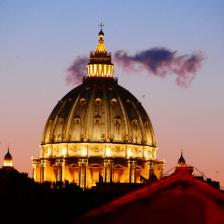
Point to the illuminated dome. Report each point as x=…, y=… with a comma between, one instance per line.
x=8, y=162
x=98, y=131
x=100, y=111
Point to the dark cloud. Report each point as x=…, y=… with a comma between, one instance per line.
x=162, y=62
x=155, y=61
x=77, y=70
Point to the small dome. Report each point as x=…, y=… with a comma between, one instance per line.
x=7, y=162
x=8, y=156
x=99, y=110
x=181, y=161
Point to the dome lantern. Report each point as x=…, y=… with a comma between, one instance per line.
x=100, y=64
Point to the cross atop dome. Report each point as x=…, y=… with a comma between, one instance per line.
x=101, y=26
x=101, y=33
x=101, y=48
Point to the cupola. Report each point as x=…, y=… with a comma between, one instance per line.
x=7, y=162
x=100, y=64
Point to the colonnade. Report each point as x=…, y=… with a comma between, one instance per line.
x=130, y=171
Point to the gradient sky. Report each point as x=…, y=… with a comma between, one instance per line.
x=39, y=40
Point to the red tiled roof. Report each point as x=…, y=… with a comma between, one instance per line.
x=154, y=188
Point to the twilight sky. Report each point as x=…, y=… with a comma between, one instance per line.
x=39, y=40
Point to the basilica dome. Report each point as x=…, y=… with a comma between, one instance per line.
x=97, y=132
x=99, y=110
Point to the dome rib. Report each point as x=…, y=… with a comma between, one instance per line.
x=55, y=122
x=126, y=121
x=108, y=115
x=70, y=118
x=89, y=113
x=142, y=129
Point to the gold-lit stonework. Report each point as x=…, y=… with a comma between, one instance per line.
x=100, y=61
x=98, y=132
